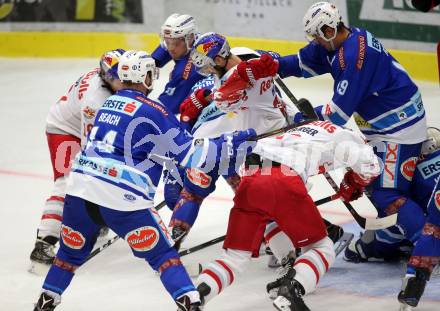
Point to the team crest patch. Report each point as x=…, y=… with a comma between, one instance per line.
x=89, y=113
x=143, y=239
x=198, y=178
x=408, y=167
x=71, y=238
x=437, y=199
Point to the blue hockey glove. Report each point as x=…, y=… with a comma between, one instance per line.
x=237, y=143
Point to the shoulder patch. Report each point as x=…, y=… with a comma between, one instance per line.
x=187, y=70
x=361, y=53
x=152, y=104
x=373, y=43
x=341, y=58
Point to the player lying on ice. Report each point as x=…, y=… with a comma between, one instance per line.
x=274, y=184
x=113, y=182
x=68, y=124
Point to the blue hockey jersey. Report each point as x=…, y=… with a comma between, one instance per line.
x=425, y=175
x=132, y=138
x=182, y=78
x=368, y=83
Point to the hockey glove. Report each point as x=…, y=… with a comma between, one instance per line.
x=237, y=142
x=228, y=97
x=193, y=105
x=352, y=186
x=255, y=69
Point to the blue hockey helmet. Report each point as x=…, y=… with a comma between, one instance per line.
x=109, y=63
x=206, y=48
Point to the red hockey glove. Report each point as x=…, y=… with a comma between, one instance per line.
x=352, y=186
x=228, y=96
x=255, y=69
x=193, y=105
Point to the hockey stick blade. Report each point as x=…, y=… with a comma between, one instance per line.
x=343, y=242
x=365, y=223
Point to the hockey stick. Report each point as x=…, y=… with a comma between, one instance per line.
x=303, y=105
x=306, y=108
x=365, y=223
x=114, y=239
x=282, y=130
x=222, y=238
x=202, y=246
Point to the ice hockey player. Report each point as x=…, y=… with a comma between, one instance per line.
x=262, y=196
x=386, y=104
x=68, y=123
x=426, y=253
x=114, y=179
x=371, y=246
x=177, y=35
x=212, y=56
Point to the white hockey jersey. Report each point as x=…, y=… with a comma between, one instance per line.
x=261, y=108
x=74, y=113
x=318, y=147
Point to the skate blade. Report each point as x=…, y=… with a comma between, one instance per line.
x=38, y=268
x=405, y=307
x=273, y=262
x=281, y=303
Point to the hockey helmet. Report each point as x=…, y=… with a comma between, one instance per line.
x=206, y=48
x=134, y=66
x=179, y=26
x=319, y=15
x=432, y=143
x=109, y=63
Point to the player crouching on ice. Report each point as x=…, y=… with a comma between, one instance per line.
x=113, y=182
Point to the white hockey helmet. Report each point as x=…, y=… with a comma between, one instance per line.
x=319, y=15
x=432, y=143
x=179, y=26
x=134, y=66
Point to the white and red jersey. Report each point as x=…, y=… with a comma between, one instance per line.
x=260, y=108
x=318, y=147
x=74, y=113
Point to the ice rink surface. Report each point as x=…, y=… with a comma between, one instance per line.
x=115, y=280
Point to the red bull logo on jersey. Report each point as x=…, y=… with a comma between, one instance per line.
x=143, y=239
x=89, y=113
x=408, y=167
x=72, y=238
x=198, y=178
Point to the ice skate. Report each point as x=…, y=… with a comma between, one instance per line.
x=42, y=255
x=290, y=298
